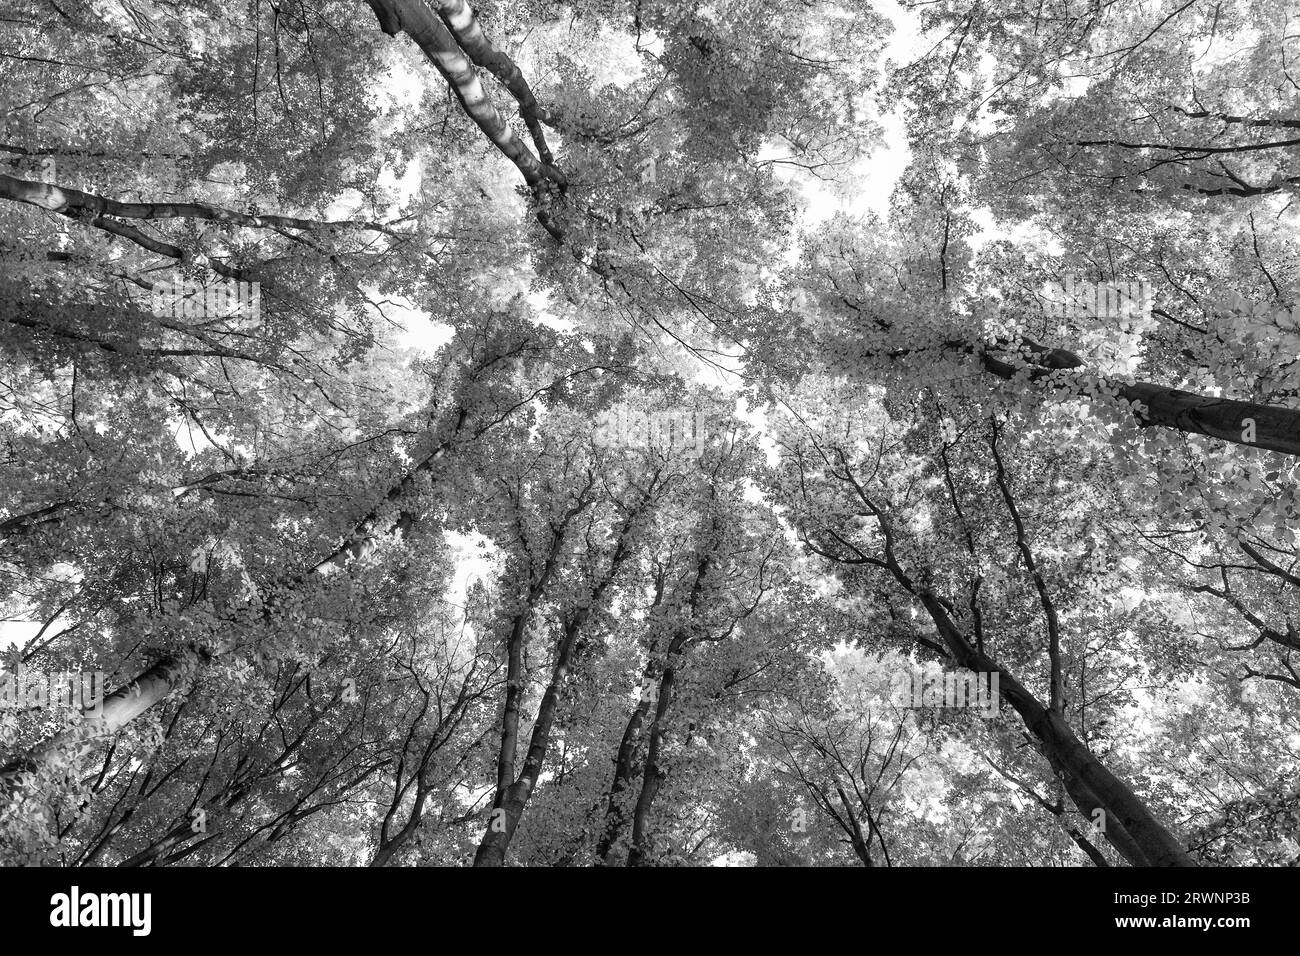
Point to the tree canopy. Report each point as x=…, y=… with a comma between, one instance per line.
x=609, y=433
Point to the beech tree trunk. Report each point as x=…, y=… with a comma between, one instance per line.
x=421, y=24
x=1129, y=826
x=512, y=800
x=75, y=202
x=1274, y=427
x=510, y=808
x=118, y=709
x=653, y=774
x=464, y=26
x=616, y=811
x=154, y=684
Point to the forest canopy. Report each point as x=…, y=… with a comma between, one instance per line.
x=640, y=433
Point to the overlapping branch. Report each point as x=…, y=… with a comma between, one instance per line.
x=418, y=21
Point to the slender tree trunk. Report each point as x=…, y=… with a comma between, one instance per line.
x=625, y=765
x=1131, y=828
x=510, y=803
x=76, y=203
x=388, y=847
x=860, y=843
x=509, y=809
x=465, y=27
x=1086, y=846
x=616, y=811
x=653, y=775
x=510, y=712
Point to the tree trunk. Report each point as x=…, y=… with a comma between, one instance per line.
x=509, y=805
x=421, y=24
x=151, y=687
x=652, y=776
x=118, y=709
x=616, y=811
x=464, y=26
x=1130, y=826
x=1274, y=427
x=509, y=809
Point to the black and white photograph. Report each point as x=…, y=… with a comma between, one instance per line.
x=643, y=434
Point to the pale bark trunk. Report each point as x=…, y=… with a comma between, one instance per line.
x=464, y=25
x=75, y=202
x=496, y=841
x=152, y=686
x=118, y=709
x=421, y=24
